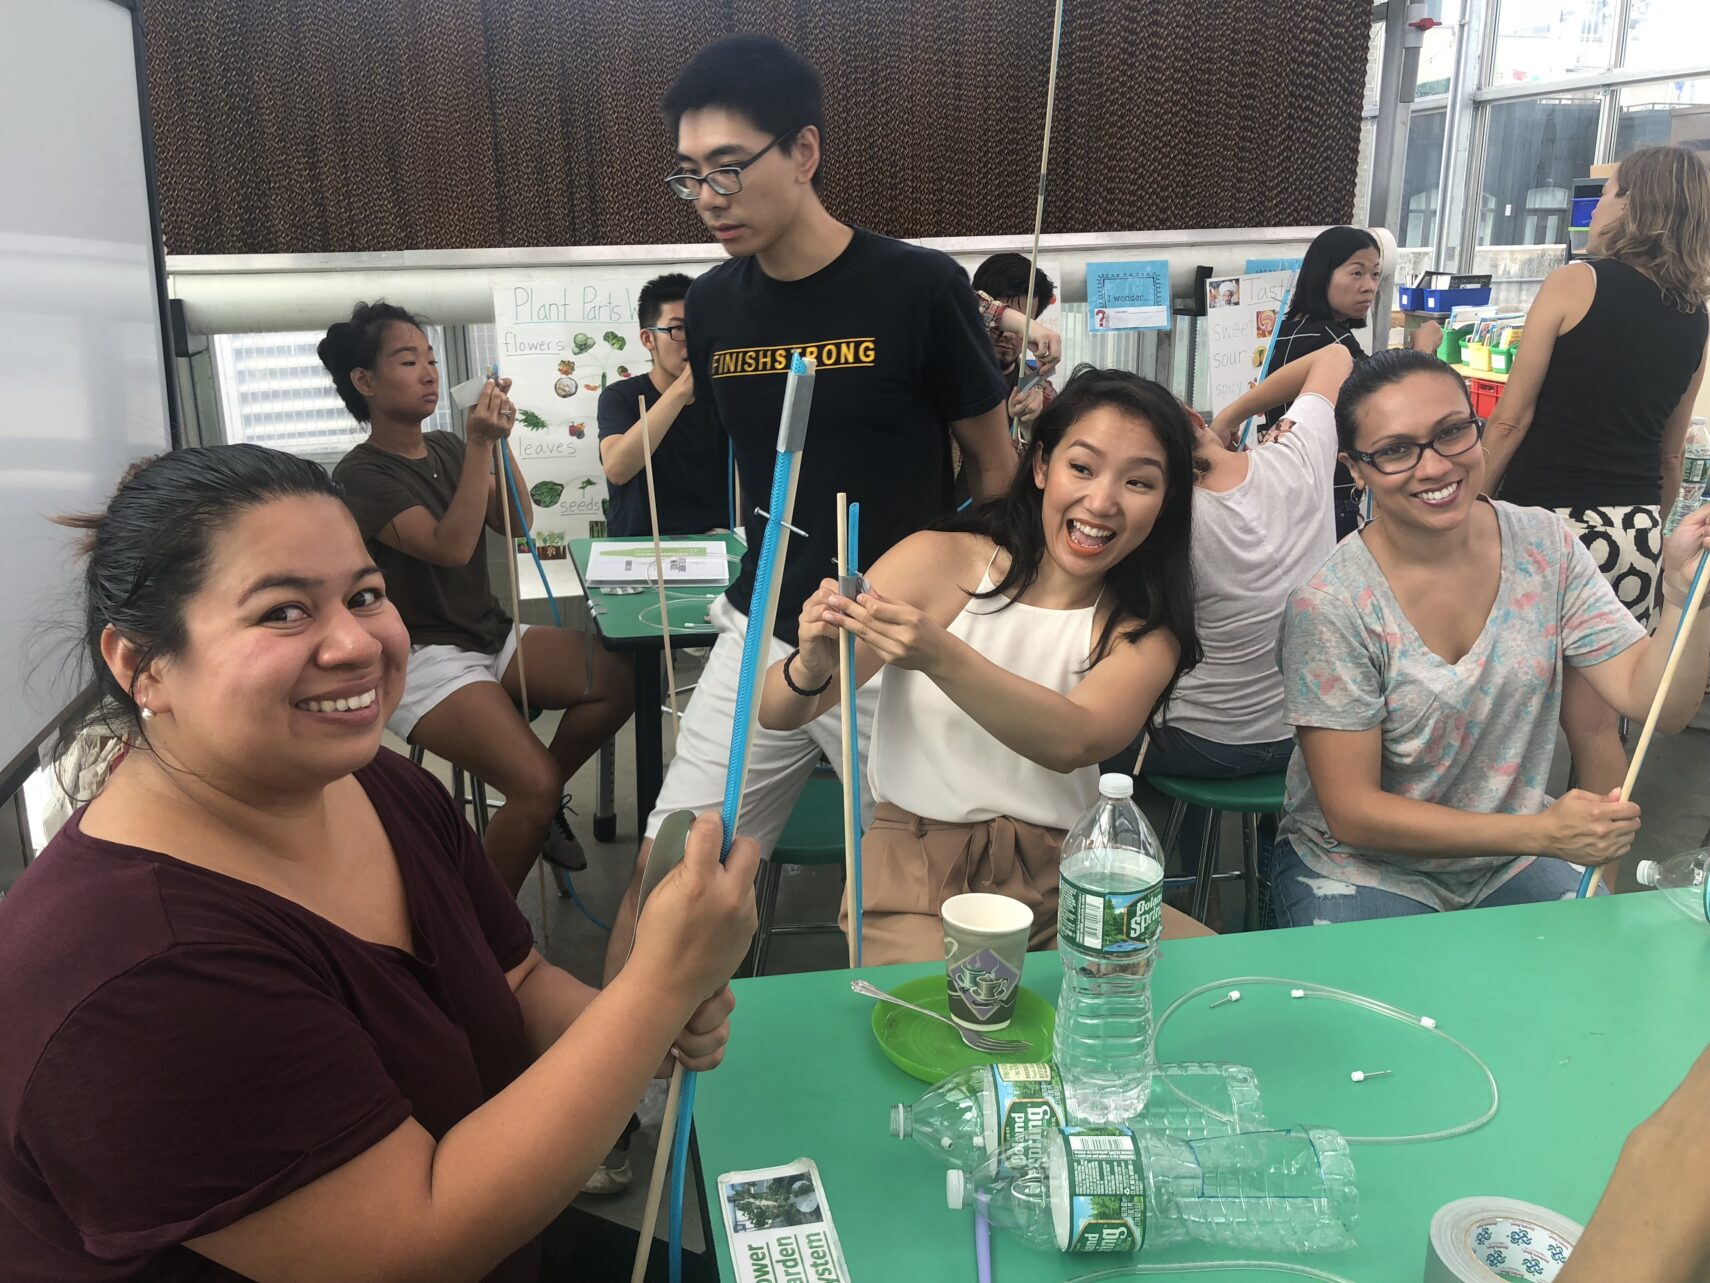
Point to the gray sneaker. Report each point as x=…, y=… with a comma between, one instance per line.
x=612, y=1176
x=562, y=848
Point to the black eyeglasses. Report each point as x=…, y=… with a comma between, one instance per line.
x=673, y=332
x=1404, y=456
x=726, y=180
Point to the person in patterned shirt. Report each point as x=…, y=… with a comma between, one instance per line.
x=1423, y=667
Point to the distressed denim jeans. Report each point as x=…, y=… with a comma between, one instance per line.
x=1302, y=897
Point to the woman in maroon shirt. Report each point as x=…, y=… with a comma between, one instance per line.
x=270, y=1012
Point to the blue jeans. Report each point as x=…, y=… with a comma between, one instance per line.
x=1303, y=897
x=1177, y=752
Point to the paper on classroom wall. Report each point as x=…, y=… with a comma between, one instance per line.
x=1241, y=315
x=1128, y=296
x=779, y=1225
x=561, y=340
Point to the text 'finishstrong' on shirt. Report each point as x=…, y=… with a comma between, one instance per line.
x=900, y=353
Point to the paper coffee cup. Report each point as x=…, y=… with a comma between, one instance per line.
x=985, y=942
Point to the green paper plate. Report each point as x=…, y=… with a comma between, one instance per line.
x=931, y=1051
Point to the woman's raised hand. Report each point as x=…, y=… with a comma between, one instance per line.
x=493, y=415
x=1682, y=551
x=897, y=632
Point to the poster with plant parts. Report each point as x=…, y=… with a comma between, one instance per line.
x=562, y=339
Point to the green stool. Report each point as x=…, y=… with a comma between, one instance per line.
x=813, y=835
x=1248, y=796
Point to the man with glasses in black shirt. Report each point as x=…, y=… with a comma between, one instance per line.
x=904, y=365
x=689, y=451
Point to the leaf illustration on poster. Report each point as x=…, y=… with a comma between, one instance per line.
x=562, y=340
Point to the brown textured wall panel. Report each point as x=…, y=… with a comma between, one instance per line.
x=362, y=125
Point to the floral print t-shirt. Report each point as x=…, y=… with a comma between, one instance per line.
x=1476, y=736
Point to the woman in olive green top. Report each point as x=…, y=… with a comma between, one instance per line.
x=423, y=501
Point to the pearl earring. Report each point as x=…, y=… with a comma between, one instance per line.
x=148, y=714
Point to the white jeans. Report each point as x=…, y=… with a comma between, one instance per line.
x=779, y=762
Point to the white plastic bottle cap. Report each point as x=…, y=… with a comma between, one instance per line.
x=1646, y=873
x=955, y=1188
x=899, y=1121
x=1116, y=785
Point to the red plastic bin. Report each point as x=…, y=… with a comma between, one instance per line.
x=1485, y=394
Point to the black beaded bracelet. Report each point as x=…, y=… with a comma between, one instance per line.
x=791, y=683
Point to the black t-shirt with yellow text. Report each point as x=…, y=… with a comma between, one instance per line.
x=900, y=352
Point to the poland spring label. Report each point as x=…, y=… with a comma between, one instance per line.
x=1114, y=923
x=1029, y=1102
x=1106, y=1190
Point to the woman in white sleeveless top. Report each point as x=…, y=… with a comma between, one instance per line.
x=1029, y=638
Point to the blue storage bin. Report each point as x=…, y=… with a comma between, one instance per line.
x=1442, y=292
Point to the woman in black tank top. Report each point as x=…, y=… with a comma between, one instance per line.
x=1594, y=418
x=1596, y=409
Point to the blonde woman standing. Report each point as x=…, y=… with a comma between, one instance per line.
x=1593, y=421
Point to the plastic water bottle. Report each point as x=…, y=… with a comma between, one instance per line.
x=1684, y=879
x=1108, y=1189
x=1694, y=472
x=985, y=1112
x=1109, y=913
x=991, y=1110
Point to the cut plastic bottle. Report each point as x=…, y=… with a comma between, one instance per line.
x=1112, y=1190
x=1684, y=879
x=980, y=1112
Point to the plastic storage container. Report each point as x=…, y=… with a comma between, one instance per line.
x=1441, y=292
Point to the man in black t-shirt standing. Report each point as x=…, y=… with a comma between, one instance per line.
x=904, y=365
x=689, y=453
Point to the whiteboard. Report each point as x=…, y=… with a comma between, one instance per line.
x=83, y=367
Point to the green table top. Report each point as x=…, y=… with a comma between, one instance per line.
x=630, y=621
x=1588, y=1013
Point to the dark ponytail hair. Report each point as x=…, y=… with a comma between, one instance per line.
x=355, y=345
x=149, y=552
x=1329, y=250
x=1152, y=586
x=1377, y=372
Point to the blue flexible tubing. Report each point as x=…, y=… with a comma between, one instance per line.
x=1270, y=351
x=563, y=875
x=511, y=493
x=1703, y=560
x=754, y=648
x=528, y=535
x=856, y=900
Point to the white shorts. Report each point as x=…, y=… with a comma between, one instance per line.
x=779, y=762
x=436, y=671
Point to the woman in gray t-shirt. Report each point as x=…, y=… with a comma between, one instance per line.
x=1423, y=672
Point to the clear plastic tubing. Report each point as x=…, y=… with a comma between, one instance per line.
x=1206, y=1267
x=1301, y=990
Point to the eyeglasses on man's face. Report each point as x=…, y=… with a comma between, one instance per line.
x=1404, y=456
x=726, y=180
x=675, y=332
